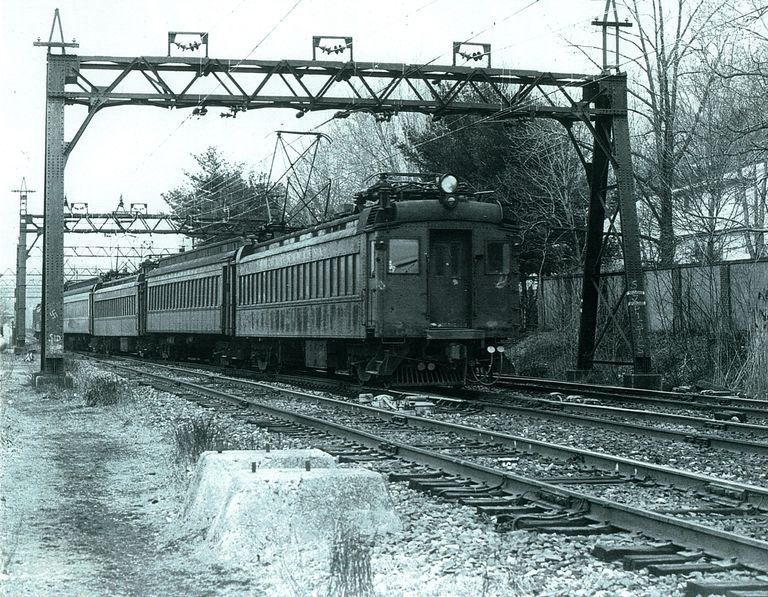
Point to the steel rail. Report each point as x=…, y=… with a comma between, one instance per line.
x=700, y=401
x=754, y=495
x=647, y=414
x=723, y=544
x=712, y=441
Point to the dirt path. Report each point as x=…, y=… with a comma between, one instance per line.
x=88, y=502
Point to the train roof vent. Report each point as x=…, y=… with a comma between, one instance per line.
x=371, y=220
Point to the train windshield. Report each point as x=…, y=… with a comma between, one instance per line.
x=403, y=256
x=497, y=257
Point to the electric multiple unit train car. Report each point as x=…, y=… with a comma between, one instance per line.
x=416, y=285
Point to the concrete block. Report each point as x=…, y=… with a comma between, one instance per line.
x=272, y=509
x=646, y=381
x=53, y=380
x=215, y=473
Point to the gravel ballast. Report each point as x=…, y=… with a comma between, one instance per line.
x=92, y=498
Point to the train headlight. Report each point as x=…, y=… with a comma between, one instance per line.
x=448, y=183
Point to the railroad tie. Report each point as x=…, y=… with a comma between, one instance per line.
x=610, y=553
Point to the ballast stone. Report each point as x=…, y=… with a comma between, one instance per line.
x=272, y=510
x=215, y=473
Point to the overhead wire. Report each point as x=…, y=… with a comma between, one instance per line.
x=545, y=95
x=202, y=102
x=433, y=60
x=491, y=117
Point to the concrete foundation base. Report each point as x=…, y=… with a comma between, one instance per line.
x=646, y=381
x=270, y=509
x=52, y=380
x=585, y=376
x=216, y=472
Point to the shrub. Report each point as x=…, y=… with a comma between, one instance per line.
x=543, y=354
x=683, y=359
x=103, y=389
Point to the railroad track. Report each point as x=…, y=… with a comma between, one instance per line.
x=492, y=400
x=658, y=398
x=676, y=427
x=473, y=465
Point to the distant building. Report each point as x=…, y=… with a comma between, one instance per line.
x=720, y=218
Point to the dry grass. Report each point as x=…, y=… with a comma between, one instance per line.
x=752, y=377
x=350, y=570
x=195, y=436
x=10, y=533
x=104, y=389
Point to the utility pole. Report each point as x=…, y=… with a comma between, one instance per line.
x=616, y=24
x=20, y=319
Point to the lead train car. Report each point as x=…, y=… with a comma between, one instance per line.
x=412, y=293
x=412, y=288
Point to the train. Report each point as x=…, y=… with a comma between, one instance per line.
x=415, y=283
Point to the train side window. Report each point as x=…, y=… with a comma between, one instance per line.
x=372, y=260
x=354, y=274
x=497, y=257
x=326, y=278
x=332, y=281
x=299, y=282
x=403, y=256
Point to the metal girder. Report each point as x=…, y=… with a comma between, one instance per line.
x=124, y=252
x=61, y=68
x=611, y=147
x=20, y=323
x=305, y=85
x=140, y=223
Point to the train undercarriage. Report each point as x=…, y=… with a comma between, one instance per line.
x=392, y=362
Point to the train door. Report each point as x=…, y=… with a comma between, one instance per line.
x=450, y=278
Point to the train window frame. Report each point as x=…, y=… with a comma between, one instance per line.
x=332, y=280
x=506, y=258
x=372, y=260
x=393, y=269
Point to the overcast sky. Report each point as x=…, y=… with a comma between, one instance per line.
x=141, y=152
